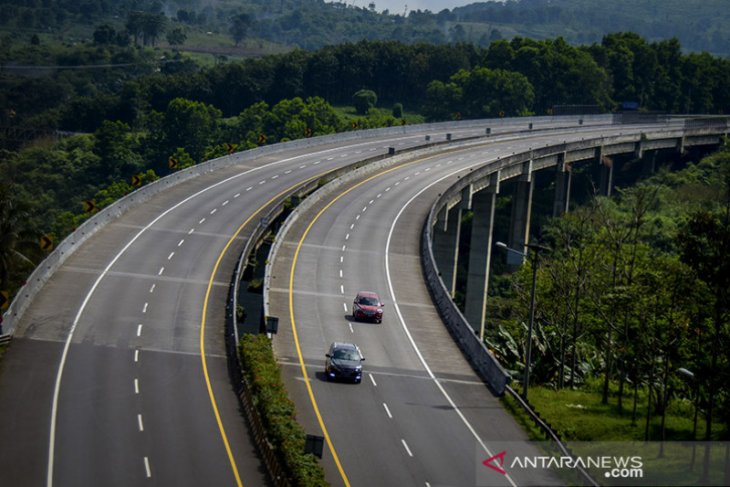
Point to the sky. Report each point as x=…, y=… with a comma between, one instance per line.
x=399, y=6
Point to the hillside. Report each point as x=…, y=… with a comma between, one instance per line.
x=243, y=28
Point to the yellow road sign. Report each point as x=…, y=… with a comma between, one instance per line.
x=4, y=300
x=89, y=206
x=46, y=243
x=136, y=181
x=173, y=163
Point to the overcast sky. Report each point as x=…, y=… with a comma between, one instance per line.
x=399, y=6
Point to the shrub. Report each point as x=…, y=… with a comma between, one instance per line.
x=277, y=412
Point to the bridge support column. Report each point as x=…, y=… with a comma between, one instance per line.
x=446, y=240
x=519, y=232
x=605, y=182
x=480, y=252
x=563, y=179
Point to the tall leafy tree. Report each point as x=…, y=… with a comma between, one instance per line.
x=190, y=124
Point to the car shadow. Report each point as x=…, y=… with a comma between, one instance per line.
x=321, y=376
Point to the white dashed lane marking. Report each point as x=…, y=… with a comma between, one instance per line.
x=387, y=411
x=405, y=445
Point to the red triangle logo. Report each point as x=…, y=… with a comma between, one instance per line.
x=496, y=468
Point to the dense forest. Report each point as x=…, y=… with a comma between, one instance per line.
x=256, y=25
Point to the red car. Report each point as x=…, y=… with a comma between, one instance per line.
x=367, y=306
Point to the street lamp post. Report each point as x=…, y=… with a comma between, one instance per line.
x=535, y=262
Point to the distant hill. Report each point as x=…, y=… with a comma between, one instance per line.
x=699, y=25
x=259, y=26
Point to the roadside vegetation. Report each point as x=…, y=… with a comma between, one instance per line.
x=286, y=436
x=632, y=312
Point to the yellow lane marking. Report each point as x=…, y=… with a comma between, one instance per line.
x=213, y=402
x=317, y=413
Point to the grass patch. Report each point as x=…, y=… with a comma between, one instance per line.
x=579, y=415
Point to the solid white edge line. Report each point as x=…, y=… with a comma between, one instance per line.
x=405, y=327
x=87, y=298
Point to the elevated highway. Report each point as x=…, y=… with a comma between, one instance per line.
x=117, y=373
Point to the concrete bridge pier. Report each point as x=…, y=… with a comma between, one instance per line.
x=480, y=252
x=446, y=240
x=519, y=231
x=605, y=181
x=563, y=180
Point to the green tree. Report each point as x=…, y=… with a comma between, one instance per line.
x=177, y=36
x=239, y=27
x=13, y=233
x=192, y=125
x=487, y=92
x=442, y=100
x=364, y=100
x=116, y=147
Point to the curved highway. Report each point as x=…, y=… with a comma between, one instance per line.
x=117, y=374
x=421, y=416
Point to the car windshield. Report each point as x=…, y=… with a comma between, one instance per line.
x=368, y=301
x=346, y=355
